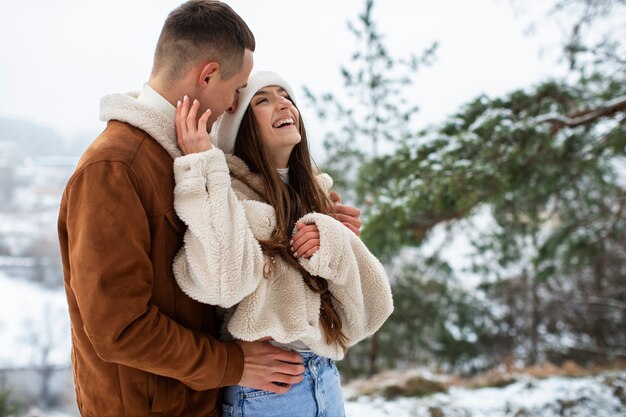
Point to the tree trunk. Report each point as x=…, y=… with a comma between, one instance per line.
x=599, y=322
x=536, y=321
x=373, y=354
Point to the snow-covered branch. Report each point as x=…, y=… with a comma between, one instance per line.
x=584, y=117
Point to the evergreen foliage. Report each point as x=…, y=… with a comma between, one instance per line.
x=545, y=164
x=8, y=406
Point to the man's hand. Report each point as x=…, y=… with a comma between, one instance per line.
x=265, y=365
x=191, y=132
x=348, y=215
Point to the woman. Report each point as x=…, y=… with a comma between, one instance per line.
x=247, y=204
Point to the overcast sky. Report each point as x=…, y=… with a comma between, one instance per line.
x=59, y=57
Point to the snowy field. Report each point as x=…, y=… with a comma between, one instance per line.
x=26, y=310
x=32, y=318
x=597, y=396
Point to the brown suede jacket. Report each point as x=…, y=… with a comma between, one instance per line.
x=140, y=346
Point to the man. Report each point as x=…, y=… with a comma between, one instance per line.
x=140, y=346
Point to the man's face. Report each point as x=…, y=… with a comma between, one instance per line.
x=222, y=94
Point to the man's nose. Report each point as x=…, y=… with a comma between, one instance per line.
x=233, y=105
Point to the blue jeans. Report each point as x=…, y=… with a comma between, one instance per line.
x=318, y=395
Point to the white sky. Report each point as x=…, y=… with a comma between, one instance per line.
x=57, y=58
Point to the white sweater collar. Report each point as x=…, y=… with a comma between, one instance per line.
x=155, y=100
x=283, y=173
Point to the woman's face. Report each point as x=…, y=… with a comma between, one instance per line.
x=277, y=120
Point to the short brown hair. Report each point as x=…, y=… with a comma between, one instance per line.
x=202, y=30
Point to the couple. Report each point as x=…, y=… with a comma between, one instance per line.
x=211, y=280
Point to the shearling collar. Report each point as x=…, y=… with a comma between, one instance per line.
x=128, y=109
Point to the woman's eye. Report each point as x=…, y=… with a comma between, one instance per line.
x=262, y=100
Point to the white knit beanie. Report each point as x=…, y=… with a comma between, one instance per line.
x=225, y=128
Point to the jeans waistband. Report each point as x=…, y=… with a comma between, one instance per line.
x=310, y=358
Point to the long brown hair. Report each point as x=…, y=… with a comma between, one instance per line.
x=291, y=201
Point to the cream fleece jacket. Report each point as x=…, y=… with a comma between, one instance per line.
x=222, y=263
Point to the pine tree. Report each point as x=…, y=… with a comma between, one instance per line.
x=547, y=163
x=375, y=113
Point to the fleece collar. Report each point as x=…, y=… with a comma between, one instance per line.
x=128, y=109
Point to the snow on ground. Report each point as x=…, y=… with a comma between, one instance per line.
x=32, y=317
x=595, y=396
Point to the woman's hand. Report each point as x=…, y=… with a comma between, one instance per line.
x=192, y=133
x=306, y=240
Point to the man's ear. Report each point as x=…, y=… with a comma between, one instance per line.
x=208, y=72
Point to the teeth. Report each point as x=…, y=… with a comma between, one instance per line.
x=282, y=122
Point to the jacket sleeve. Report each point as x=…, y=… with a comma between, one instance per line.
x=221, y=261
x=109, y=243
x=356, y=278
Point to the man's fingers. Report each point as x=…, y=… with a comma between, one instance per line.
x=281, y=387
x=343, y=218
x=276, y=389
x=347, y=210
x=354, y=229
x=290, y=362
x=287, y=370
x=285, y=379
x=270, y=368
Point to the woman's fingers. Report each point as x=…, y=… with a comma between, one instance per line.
x=310, y=252
x=202, y=138
x=179, y=135
x=304, y=234
x=203, y=120
x=191, y=118
x=191, y=131
x=306, y=241
x=306, y=247
x=184, y=110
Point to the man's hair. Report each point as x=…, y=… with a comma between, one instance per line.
x=202, y=30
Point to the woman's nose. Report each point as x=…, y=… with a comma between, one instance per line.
x=283, y=102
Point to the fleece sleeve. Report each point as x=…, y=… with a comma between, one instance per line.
x=221, y=261
x=356, y=278
x=109, y=243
